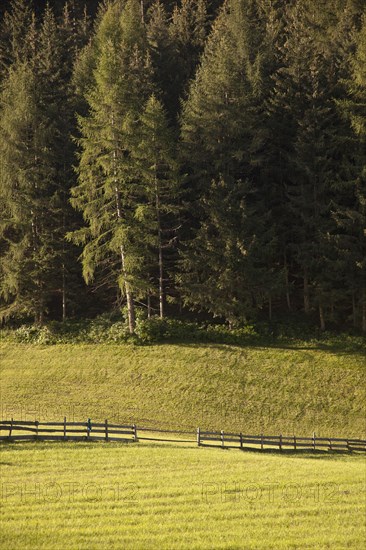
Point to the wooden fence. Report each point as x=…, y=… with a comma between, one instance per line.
x=20, y=430
x=66, y=431
x=280, y=442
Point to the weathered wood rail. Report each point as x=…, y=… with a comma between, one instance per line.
x=66, y=431
x=20, y=430
x=280, y=442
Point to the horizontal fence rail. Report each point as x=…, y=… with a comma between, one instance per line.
x=280, y=442
x=66, y=431
x=19, y=430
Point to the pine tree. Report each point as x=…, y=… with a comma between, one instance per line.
x=107, y=189
x=159, y=207
x=17, y=108
x=188, y=31
x=222, y=140
x=307, y=156
x=219, y=115
x=36, y=121
x=59, y=44
x=350, y=211
x=164, y=58
x=17, y=34
x=225, y=269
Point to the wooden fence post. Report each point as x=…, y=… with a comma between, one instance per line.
x=64, y=427
x=330, y=444
x=294, y=442
x=348, y=448
x=106, y=430
x=222, y=439
x=314, y=441
x=198, y=436
x=37, y=428
x=134, y=432
x=262, y=444
x=241, y=441
x=280, y=444
x=11, y=426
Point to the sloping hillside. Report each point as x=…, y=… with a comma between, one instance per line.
x=251, y=389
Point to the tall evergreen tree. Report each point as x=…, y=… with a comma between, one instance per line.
x=219, y=116
x=306, y=162
x=20, y=261
x=36, y=120
x=159, y=194
x=107, y=188
x=350, y=211
x=222, y=145
x=226, y=269
x=188, y=32
x=17, y=34
x=164, y=57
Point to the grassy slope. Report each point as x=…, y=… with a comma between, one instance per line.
x=100, y=496
x=183, y=386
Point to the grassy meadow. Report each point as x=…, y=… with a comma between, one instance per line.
x=298, y=389
x=142, y=496
x=178, y=496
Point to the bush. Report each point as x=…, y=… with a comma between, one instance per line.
x=35, y=335
x=114, y=329
x=118, y=333
x=158, y=330
x=103, y=329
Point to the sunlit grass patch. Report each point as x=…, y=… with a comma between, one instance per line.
x=162, y=496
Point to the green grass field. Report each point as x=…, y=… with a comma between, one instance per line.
x=167, y=496
x=250, y=389
x=80, y=496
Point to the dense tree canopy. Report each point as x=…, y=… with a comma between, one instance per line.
x=209, y=156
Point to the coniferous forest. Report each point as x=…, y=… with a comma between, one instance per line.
x=193, y=158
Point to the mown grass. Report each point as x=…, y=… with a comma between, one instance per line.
x=297, y=389
x=142, y=496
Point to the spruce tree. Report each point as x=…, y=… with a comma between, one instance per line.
x=226, y=269
x=18, y=226
x=17, y=34
x=158, y=209
x=309, y=152
x=188, y=32
x=350, y=210
x=36, y=121
x=222, y=141
x=164, y=58
x=218, y=118
x=107, y=189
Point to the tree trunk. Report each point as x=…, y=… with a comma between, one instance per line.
x=270, y=308
x=321, y=317
x=128, y=291
x=148, y=306
x=39, y=316
x=161, y=283
x=364, y=310
x=332, y=311
x=306, y=293
x=288, y=297
x=160, y=247
x=63, y=294
x=129, y=295
x=354, y=310
x=130, y=303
